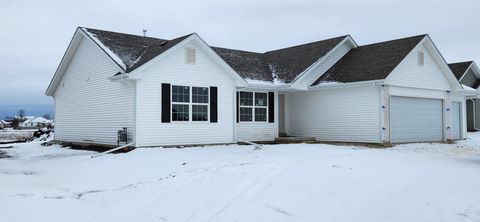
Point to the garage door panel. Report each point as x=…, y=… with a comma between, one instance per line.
x=416, y=119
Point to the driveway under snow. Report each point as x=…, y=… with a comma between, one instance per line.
x=414, y=182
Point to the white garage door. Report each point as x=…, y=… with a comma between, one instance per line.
x=456, y=121
x=416, y=119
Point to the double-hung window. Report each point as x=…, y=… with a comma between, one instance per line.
x=186, y=98
x=180, y=103
x=253, y=106
x=261, y=101
x=199, y=104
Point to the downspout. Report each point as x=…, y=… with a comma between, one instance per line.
x=474, y=114
x=234, y=117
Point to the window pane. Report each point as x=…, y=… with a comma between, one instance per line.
x=180, y=112
x=181, y=94
x=260, y=99
x=199, y=94
x=245, y=114
x=246, y=98
x=199, y=113
x=261, y=114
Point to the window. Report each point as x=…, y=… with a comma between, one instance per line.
x=421, y=58
x=182, y=103
x=199, y=103
x=246, y=106
x=253, y=108
x=261, y=101
x=190, y=56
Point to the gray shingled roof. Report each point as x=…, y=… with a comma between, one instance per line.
x=459, y=68
x=133, y=50
x=249, y=65
x=370, y=62
x=285, y=64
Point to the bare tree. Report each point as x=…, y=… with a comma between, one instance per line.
x=21, y=114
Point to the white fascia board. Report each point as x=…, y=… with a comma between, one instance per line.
x=307, y=71
x=347, y=85
x=219, y=60
x=475, y=69
x=442, y=62
x=112, y=55
x=67, y=57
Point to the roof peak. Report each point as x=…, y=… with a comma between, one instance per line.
x=132, y=35
x=464, y=62
x=308, y=43
x=395, y=40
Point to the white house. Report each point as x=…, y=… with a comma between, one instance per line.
x=36, y=122
x=4, y=124
x=183, y=91
x=468, y=74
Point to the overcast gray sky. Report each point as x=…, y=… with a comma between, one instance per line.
x=35, y=34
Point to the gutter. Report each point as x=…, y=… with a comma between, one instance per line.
x=347, y=85
x=117, y=77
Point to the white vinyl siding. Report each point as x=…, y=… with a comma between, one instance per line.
x=456, y=120
x=469, y=78
x=173, y=70
x=409, y=74
x=345, y=114
x=416, y=119
x=89, y=108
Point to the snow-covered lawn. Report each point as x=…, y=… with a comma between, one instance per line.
x=414, y=182
x=15, y=135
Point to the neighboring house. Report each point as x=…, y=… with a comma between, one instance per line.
x=37, y=122
x=4, y=124
x=468, y=74
x=182, y=91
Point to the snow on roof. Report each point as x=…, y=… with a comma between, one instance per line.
x=468, y=88
x=107, y=50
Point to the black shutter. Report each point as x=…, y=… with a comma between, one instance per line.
x=271, y=107
x=165, y=103
x=238, y=110
x=213, y=104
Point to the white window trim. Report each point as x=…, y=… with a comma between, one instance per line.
x=190, y=104
x=252, y=107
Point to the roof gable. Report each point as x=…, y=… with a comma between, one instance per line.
x=460, y=68
x=130, y=51
x=370, y=62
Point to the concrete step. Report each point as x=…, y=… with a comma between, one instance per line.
x=294, y=139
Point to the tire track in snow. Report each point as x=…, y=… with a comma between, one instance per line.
x=243, y=194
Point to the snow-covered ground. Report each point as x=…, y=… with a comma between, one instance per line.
x=15, y=135
x=412, y=182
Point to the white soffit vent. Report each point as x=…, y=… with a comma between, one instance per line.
x=190, y=57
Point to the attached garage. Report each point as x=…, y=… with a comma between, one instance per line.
x=416, y=119
x=456, y=121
